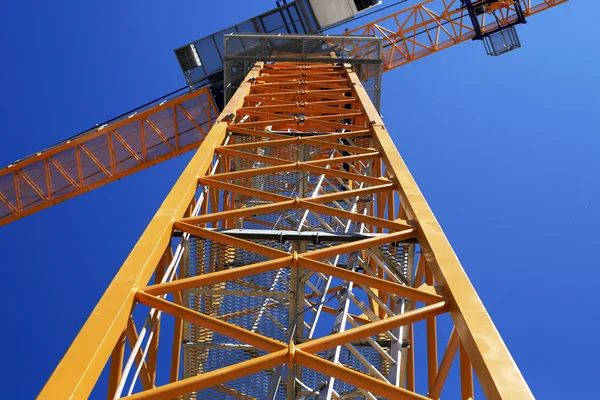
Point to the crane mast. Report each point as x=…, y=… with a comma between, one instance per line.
x=295, y=257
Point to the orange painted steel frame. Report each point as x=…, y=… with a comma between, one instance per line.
x=105, y=155
x=440, y=282
x=431, y=26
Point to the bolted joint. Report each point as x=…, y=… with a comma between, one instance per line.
x=229, y=118
x=291, y=355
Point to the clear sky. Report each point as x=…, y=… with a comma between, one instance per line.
x=505, y=150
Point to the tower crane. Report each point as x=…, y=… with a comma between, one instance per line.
x=136, y=140
x=295, y=254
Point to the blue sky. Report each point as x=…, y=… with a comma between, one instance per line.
x=505, y=150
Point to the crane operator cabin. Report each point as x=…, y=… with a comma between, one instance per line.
x=202, y=60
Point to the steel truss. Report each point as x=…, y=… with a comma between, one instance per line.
x=105, y=154
x=435, y=25
x=297, y=259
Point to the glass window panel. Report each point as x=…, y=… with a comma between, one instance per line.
x=273, y=23
x=187, y=58
x=209, y=55
x=195, y=74
x=293, y=12
x=246, y=27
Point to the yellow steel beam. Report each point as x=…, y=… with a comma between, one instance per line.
x=217, y=276
x=359, y=379
x=369, y=281
x=213, y=378
x=445, y=365
x=81, y=366
x=214, y=324
x=497, y=372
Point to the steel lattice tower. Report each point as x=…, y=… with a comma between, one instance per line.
x=298, y=259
